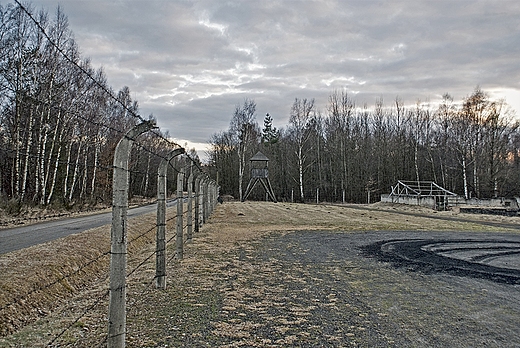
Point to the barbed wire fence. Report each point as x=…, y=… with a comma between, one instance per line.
x=201, y=194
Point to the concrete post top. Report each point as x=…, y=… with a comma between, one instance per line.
x=140, y=128
x=164, y=162
x=176, y=152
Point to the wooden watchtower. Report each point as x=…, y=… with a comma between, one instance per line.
x=259, y=173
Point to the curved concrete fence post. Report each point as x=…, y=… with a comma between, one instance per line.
x=210, y=198
x=213, y=198
x=189, y=214
x=202, y=200
x=118, y=235
x=198, y=183
x=180, y=210
x=205, y=200
x=160, y=248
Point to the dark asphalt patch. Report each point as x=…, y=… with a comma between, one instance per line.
x=495, y=260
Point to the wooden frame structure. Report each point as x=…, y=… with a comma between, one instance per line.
x=426, y=193
x=420, y=188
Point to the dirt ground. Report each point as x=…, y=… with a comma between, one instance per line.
x=273, y=275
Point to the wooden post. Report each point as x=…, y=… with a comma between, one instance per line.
x=180, y=210
x=118, y=246
x=160, y=248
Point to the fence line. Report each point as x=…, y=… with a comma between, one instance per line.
x=117, y=305
x=130, y=273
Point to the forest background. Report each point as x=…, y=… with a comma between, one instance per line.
x=354, y=153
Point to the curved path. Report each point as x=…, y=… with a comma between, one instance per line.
x=488, y=257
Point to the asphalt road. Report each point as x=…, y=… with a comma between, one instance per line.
x=23, y=237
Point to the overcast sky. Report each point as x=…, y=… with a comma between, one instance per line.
x=190, y=62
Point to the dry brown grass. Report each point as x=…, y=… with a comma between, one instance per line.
x=37, y=279
x=196, y=285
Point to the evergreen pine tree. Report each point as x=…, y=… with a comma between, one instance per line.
x=269, y=133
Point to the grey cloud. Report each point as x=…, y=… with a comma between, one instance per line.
x=190, y=62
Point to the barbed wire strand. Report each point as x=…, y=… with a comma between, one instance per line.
x=88, y=309
x=109, y=127
x=70, y=60
x=54, y=282
x=100, y=85
x=77, y=319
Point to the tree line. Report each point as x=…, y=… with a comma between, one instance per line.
x=59, y=119
x=354, y=153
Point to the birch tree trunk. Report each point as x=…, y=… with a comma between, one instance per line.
x=94, y=170
x=240, y=171
x=465, y=177
x=85, y=172
x=17, y=140
x=67, y=170
x=76, y=169
x=48, y=164
x=147, y=176
x=300, y=172
x=38, y=172
x=243, y=128
x=27, y=153
x=56, y=163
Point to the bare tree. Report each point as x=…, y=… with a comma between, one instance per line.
x=245, y=133
x=301, y=114
x=340, y=123
x=444, y=114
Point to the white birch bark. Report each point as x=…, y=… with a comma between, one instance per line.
x=85, y=172
x=465, y=177
x=27, y=153
x=76, y=168
x=94, y=170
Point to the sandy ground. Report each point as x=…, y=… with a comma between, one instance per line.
x=264, y=275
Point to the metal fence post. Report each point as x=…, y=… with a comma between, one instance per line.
x=118, y=247
x=180, y=208
x=160, y=249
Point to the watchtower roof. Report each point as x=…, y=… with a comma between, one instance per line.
x=259, y=157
